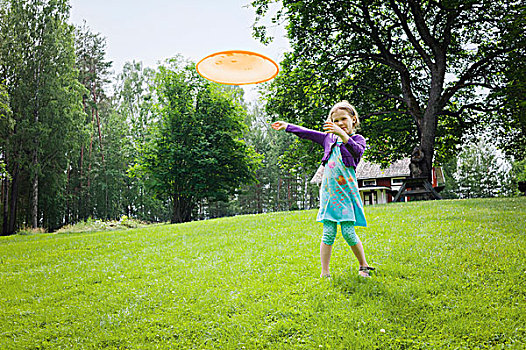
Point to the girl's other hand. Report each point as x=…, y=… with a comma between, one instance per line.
x=279, y=125
x=333, y=128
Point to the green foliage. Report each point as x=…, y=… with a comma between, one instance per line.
x=282, y=180
x=6, y=126
x=449, y=170
x=90, y=49
x=38, y=68
x=511, y=98
x=447, y=278
x=414, y=70
x=518, y=174
x=90, y=189
x=196, y=151
x=479, y=172
x=134, y=98
x=519, y=170
x=5, y=110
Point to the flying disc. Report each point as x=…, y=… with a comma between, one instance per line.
x=237, y=67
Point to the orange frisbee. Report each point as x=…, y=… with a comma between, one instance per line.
x=237, y=67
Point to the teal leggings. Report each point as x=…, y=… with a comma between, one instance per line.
x=329, y=232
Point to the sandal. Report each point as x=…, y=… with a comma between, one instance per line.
x=328, y=276
x=365, y=270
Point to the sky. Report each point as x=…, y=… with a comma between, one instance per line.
x=151, y=31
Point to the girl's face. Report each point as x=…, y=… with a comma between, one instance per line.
x=343, y=119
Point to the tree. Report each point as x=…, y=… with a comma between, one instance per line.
x=282, y=180
x=196, y=152
x=94, y=75
x=510, y=131
x=5, y=111
x=481, y=172
x=449, y=170
x=134, y=97
x=404, y=62
x=38, y=67
x=517, y=176
x=5, y=129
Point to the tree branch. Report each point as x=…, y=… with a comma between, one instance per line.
x=478, y=107
x=385, y=54
x=470, y=73
x=412, y=39
x=422, y=28
x=396, y=97
x=472, y=106
x=387, y=58
x=446, y=39
x=365, y=116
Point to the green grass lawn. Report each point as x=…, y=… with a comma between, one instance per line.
x=450, y=274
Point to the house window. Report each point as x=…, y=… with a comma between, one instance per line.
x=369, y=182
x=397, y=182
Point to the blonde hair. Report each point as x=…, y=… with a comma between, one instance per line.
x=346, y=106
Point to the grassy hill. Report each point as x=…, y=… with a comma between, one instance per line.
x=450, y=274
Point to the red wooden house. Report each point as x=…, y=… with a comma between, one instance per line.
x=378, y=186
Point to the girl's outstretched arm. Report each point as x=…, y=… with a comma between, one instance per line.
x=300, y=131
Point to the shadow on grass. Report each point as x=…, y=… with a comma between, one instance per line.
x=351, y=284
x=366, y=290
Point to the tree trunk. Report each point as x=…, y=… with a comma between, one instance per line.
x=5, y=205
x=422, y=157
x=88, y=174
x=259, y=199
x=13, y=201
x=87, y=200
x=106, y=195
x=289, y=195
x=305, y=190
x=34, y=201
x=427, y=124
x=428, y=148
x=79, y=194
x=277, y=195
x=35, y=163
x=182, y=209
x=68, y=204
x=98, y=123
x=427, y=140
x=34, y=185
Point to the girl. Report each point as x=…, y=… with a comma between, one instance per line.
x=340, y=201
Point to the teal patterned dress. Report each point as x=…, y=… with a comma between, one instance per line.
x=339, y=195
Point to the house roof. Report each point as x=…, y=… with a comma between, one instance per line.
x=368, y=170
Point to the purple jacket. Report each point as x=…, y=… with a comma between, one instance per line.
x=351, y=151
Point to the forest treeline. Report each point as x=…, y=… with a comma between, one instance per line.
x=78, y=141
x=162, y=144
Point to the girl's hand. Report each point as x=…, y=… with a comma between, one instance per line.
x=279, y=125
x=330, y=127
